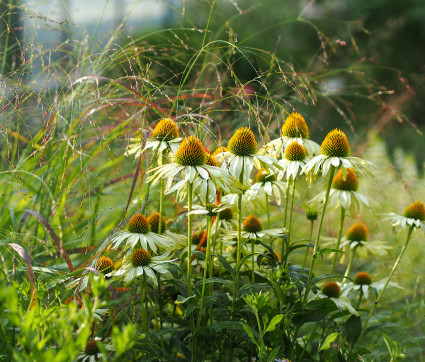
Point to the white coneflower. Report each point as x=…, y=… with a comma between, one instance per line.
x=141, y=262
x=332, y=290
x=139, y=232
x=335, y=151
x=294, y=129
x=165, y=137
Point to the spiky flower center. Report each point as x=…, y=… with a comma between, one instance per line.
x=165, y=130
x=335, y=144
x=140, y=257
x=350, y=183
x=415, y=211
x=362, y=279
x=153, y=220
x=295, y=152
x=199, y=237
x=357, y=232
x=295, y=126
x=91, y=348
x=104, y=265
x=226, y=214
x=219, y=150
x=252, y=224
x=211, y=161
x=243, y=142
x=139, y=224
x=263, y=176
x=331, y=289
x=191, y=152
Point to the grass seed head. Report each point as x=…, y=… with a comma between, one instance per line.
x=153, y=220
x=140, y=257
x=139, y=224
x=295, y=152
x=165, y=130
x=335, y=144
x=252, y=224
x=91, y=348
x=243, y=142
x=191, y=152
x=331, y=289
x=295, y=126
x=105, y=265
x=351, y=183
x=357, y=232
x=362, y=279
x=415, y=210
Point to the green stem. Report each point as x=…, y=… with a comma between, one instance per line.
x=189, y=238
x=142, y=303
x=319, y=229
x=189, y=263
x=409, y=234
x=360, y=297
x=239, y=247
x=350, y=263
x=161, y=196
x=160, y=307
x=260, y=334
x=291, y=209
x=338, y=242
x=207, y=259
x=282, y=252
x=311, y=239
x=267, y=211
x=253, y=259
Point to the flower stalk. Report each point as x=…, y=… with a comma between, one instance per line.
x=409, y=234
x=319, y=229
x=338, y=242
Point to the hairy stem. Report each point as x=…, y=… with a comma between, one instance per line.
x=306, y=250
x=338, y=242
x=319, y=229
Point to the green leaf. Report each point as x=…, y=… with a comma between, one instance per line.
x=273, y=323
x=352, y=328
x=199, y=255
x=329, y=339
x=249, y=332
x=218, y=280
x=226, y=264
x=182, y=300
x=227, y=325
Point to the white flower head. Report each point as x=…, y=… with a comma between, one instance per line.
x=294, y=129
x=242, y=156
x=139, y=233
x=335, y=151
x=413, y=216
x=92, y=353
x=192, y=163
x=362, y=282
x=332, y=290
x=141, y=262
x=165, y=137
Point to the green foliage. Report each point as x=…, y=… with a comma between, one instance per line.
x=68, y=187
